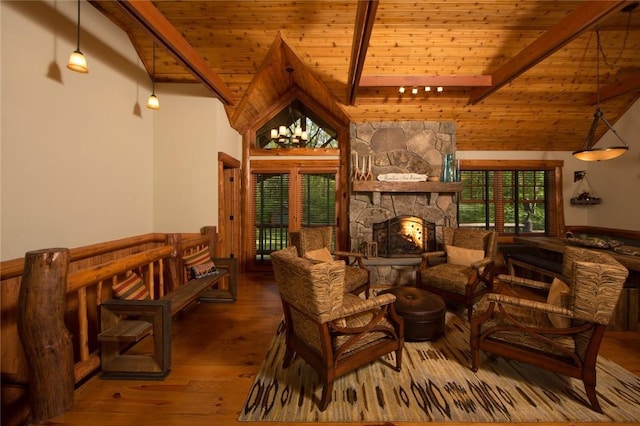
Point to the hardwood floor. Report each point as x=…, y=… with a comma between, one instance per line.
x=217, y=350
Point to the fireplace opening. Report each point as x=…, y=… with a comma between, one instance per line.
x=404, y=236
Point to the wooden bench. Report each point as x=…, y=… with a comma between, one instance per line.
x=126, y=322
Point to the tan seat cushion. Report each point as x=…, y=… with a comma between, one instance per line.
x=354, y=277
x=446, y=276
x=526, y=317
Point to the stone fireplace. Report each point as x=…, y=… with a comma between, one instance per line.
x=400, y=147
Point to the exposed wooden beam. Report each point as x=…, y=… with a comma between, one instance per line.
x=627, y=85
x=424, y=80
x=147, y=15
x=365, y=16
x=580, y=20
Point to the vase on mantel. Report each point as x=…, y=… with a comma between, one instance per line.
x=448, y=168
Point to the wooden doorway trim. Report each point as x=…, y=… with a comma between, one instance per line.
x=229, y=211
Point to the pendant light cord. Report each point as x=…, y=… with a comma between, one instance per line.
x=624, y=42
x=153, y=67
x=599, y=49
x=78, y=30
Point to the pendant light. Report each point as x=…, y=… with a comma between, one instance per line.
x=153, y=102
x=588, y=152
x=77, y=61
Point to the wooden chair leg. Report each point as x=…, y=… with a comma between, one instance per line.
x=475, y=350
x=399, y=359
x=288, y=356
x=593, y=397
x=327, y=389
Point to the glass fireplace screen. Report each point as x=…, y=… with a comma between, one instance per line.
x=404, y=236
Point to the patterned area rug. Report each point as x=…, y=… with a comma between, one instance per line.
x=436, y=384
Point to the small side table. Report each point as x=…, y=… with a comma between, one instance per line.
x=423, y=312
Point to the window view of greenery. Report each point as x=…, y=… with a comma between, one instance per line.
x=511, y=202
x=320, y=135
x=318, y=197
x=271, y=212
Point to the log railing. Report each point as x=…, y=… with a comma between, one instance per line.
x=91, y=272
x=146, y=263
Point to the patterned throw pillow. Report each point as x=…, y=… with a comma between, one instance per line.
x=558, y=295
x=204, y=270
x=131, y=288
x=197, y=258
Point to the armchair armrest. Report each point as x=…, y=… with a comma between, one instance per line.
x=430, y=255
x=529, y=304
x=346, y=255
x=482, y=263
x=353, y=304
x=524, y=282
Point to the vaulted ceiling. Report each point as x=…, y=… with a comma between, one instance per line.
x=516, y=75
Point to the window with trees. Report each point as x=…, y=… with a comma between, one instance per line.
x=289, y=200
x=511, y=197
x=294, y=188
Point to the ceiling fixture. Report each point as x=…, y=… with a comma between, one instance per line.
x=414, y=90
x=153, y=102
x=77, y=61
x=283, y=135
x=588, y=152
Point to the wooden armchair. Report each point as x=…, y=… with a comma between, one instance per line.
x=317, y=244
x=333, y=331
x=562, y=335
x=463, y=271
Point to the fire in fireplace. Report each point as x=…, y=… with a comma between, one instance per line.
x=404, y=236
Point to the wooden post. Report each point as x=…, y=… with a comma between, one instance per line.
x=212, y=233
x=45, y=339
x=175, y=262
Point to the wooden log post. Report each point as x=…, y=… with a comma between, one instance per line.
x=45, y=339
x=176, y=274
x=212, y=233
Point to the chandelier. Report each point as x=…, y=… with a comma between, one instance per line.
x=588, y=152
x=288, y=138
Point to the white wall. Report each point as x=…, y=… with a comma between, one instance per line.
x=76, y=159
x=190, y=129
x=82, y=159
x=617, y=181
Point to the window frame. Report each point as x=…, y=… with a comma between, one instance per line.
x=554, y=200
x=295, y=169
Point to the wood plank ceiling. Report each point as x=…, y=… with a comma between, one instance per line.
x=517, y=75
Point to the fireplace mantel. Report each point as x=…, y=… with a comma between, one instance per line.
x=426, y=187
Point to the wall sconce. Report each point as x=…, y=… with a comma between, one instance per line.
x=153, y=102
x=77, y=61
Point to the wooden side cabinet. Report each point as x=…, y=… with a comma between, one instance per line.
x=125, y=322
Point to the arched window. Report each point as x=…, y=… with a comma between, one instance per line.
x=296, y=126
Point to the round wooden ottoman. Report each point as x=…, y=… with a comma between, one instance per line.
x=423, y=312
